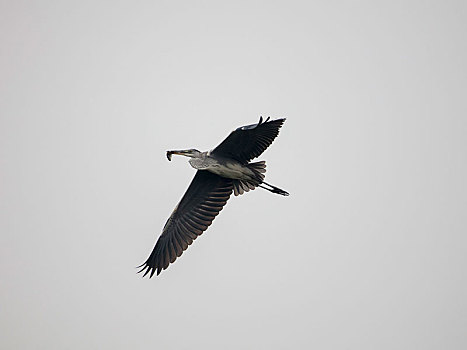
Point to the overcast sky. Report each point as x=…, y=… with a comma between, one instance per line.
x=369, y=250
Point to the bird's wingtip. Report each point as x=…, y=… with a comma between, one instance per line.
x=146, y=268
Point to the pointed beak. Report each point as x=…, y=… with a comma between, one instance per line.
x=169, y=154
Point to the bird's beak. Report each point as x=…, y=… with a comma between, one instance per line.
x=169, y=154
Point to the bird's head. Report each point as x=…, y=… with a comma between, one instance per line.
x=192, y=153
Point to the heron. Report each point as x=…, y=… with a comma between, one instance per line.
x=220, y=171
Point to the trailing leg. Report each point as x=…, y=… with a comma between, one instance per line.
x=274, y=189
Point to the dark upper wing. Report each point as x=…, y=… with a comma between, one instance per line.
x=248, y=142
x=203, y=200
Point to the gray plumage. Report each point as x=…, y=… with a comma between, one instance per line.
x=221, y=171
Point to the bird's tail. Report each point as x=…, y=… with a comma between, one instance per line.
x=258, y=168
x=242, y=186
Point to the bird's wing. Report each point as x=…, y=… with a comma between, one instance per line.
x=203, y=200
x=248, y=142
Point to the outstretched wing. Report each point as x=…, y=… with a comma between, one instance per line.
x=248, y=142
x=203, y=200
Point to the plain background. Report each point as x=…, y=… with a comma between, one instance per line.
x=368, y=252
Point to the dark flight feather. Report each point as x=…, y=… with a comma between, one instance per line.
x=203, y=200
x=248, y=142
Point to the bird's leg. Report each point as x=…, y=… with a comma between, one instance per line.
x=274, y=189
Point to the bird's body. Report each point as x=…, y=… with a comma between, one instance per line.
x=225, y=167
x=220, y=171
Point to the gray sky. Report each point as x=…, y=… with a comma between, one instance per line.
x=368, y=252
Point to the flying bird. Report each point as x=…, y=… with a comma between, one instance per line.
x=220, y=171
